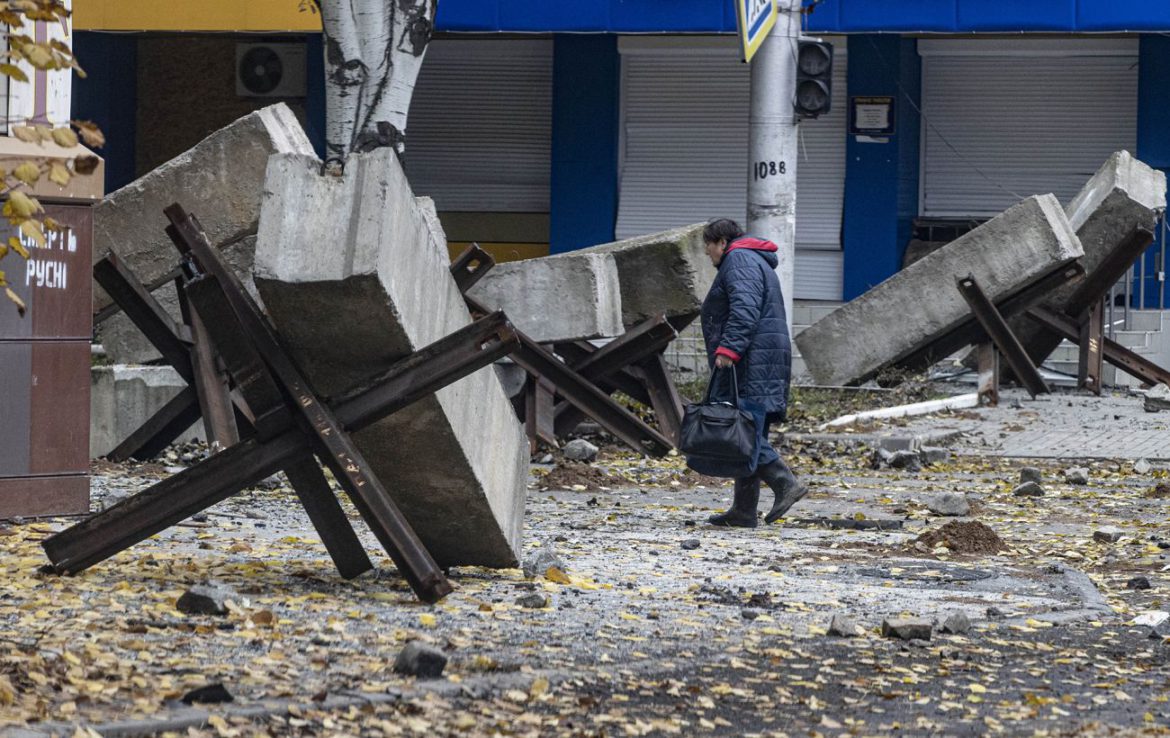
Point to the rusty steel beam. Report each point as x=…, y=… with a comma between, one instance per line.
x=212, y=385
x=195, y=489
x=988, y=368
x=471, y=266
x=621, y=423
x=1112, y=352
x=264, y=399
x=1109, y=272
x=1001, y=334
x=314, y=418
x=145, y=312
x=160, y=430
x=970, y=332
x=538, y=413
x=664, y=396
x=1090, y=359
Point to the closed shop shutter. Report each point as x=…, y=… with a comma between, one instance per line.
x=685, y=150
x=1012, y=118
x=480, y=128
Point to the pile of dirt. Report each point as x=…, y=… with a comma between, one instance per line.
x=968, y=537
x=569, y=474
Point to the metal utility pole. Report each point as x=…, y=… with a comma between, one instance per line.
x=772, y=134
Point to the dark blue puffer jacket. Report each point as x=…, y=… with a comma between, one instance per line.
x=743, y=317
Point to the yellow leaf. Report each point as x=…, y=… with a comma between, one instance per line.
x=28, y=172
x=15, y=244
x=90, y=133
x=427, y=620
x=59, y=173
x=13, y=71
x=554, y=574
x=20, y=205
x=32, y=229
x=38, y=56
x=3, y=251
x=65, y=137
x=20, y=308
x=539, y=687
x=28, y=134
x=264, y=617
x=977, y=688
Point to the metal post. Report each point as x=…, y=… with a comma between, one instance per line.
x=772, y=133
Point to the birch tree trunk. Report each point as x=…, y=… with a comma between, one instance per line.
x=373, y=52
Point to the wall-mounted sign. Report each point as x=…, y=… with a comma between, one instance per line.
x=871, y=116
x=756, y=18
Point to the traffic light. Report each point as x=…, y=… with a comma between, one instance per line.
x=814, y=78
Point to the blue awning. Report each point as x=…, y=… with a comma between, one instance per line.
x=829, y=16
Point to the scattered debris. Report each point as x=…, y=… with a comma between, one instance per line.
x=956, y=623
x=538, y=563
x=1160, y=491
x=1108, y=534
x=205, y=600
x=690, y=544
x=843, y=627
x=906, y=460
x=420, y=660
x=1138, y=583
x=958, y=402
x=1028, y=489
x=574, y=475
x=212, y=694
x=907, y=629
x=949, y=504
x=1077, y=475
x=1141, y=466
x=533, y=601
x=964, y=537
x=1030, y=474
x=1157, y=399
x=579, y=449
x=845, y=523
x=1152, y=618
x=933, y=455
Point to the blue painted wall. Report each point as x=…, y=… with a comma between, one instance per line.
x=847, y=16
x=881, y=179
x=1153, y=136
x=584, y=141
x=315, y=97
x=109, y=97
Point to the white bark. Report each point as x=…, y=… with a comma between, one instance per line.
x=373, y=52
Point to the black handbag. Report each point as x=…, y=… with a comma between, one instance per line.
x=722, y=439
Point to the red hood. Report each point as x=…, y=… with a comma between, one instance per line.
x=755, y=244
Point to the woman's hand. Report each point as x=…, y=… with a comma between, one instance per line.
x=723, y=362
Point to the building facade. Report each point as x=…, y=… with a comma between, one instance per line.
x=543, y=127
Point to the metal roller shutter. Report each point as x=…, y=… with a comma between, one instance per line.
x=684, y=150
x=1009, y=118
x=480, y=129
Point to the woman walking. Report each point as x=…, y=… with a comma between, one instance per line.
x=746, y=329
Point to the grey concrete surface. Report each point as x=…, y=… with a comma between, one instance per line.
x=666, y=272
x=220, y=180
x=353, y=278
x=568, y=297
x=123, y=397
x=921, y=303
x=1124, y=194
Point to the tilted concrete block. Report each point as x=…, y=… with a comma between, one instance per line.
x=667, y=272
x=354, y=279
x=122, y=398
x=921, y=303
x=220, y=179
x=1124, y=194
x=557, y=298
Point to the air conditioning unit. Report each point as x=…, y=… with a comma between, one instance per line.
x=270, y=70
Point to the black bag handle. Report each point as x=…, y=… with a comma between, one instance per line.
x=734, y=385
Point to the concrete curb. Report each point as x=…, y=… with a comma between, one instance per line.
x=1093, y=603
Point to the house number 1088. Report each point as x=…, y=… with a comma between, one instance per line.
x=765, y=169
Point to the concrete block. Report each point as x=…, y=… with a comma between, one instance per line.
x=920, y=304
x=353, y=278
x=122, y=398
x=1124, y=194
x=666, y=272
x=220, y=179
x=557, y=298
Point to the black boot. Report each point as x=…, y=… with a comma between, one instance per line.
x=743, y=510
x=783, y=482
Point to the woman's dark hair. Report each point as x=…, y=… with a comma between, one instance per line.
x=719, y=229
